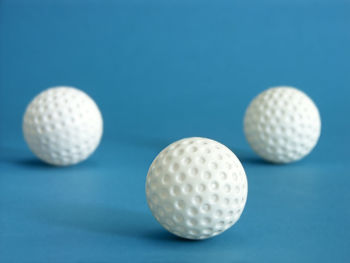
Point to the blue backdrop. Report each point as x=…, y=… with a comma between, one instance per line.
x=160, y=71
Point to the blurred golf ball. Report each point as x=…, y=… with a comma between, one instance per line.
x=196, y=188
x=282, y=124
x=62, y=126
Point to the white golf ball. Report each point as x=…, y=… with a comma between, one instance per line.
x=196, y=188
x=62, y=126
x=282, y=124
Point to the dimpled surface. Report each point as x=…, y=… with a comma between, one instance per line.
x=62, y=126
x=282, y=124
x=196, y=188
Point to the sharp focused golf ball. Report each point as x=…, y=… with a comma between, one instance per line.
x=282, y=124
x=196, y=188
x=62, y=126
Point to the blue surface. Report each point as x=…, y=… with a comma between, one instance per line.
x=160, y=71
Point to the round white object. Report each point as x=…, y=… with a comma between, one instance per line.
x=196, y=188
x=62, y=126
x=282, y=124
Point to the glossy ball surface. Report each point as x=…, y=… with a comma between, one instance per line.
x=196, y=188
x=282, y=124
x=62, y=126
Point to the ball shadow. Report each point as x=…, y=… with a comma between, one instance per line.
x=249, y=157
x=92, y=217
x=109, y=221
x=32, y=163
x=105, y=220
x=25, y=159
x=163, y=235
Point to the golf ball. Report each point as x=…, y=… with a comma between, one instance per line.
x=196, y=188
x=282, y=124
x=62, y=126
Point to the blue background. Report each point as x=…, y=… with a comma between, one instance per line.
x=161, y=71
